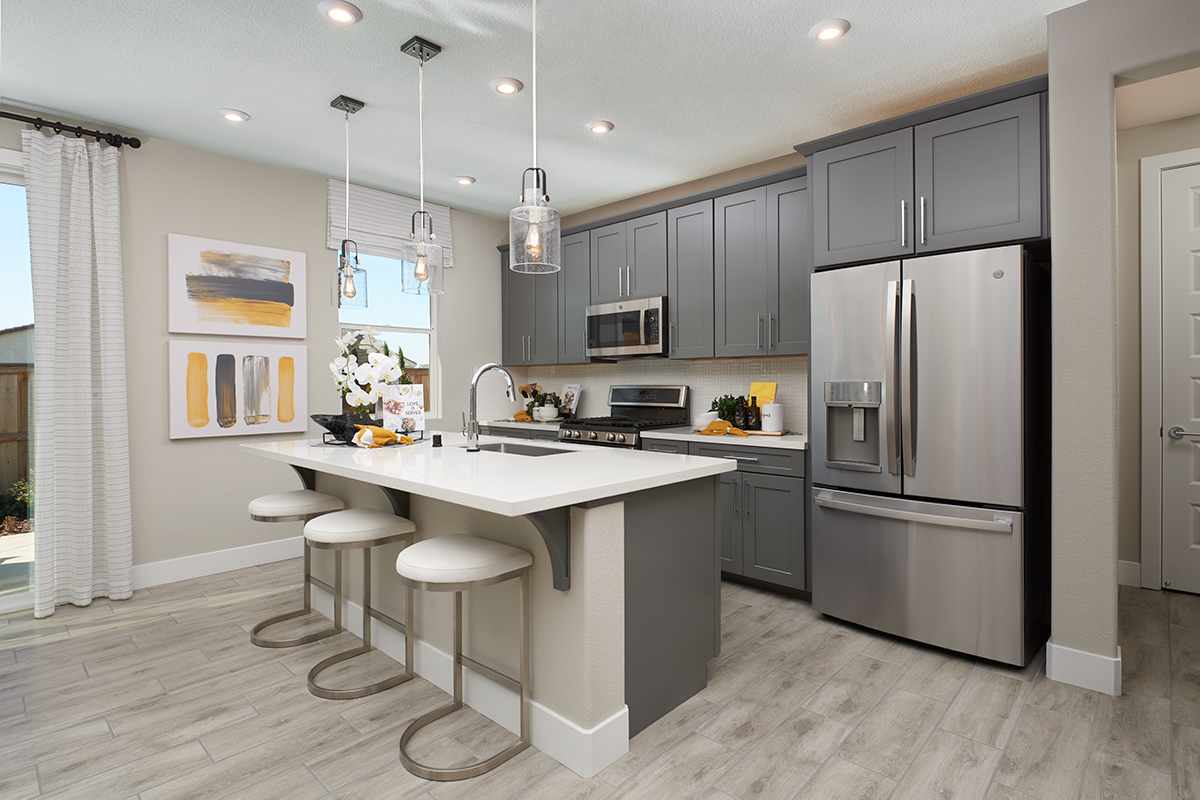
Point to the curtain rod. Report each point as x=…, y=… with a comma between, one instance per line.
x=115, y=139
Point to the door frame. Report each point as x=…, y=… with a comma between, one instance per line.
x=1152, y=168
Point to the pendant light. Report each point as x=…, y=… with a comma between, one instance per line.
x=421, y=259
x=349, y=279
x=534, y=228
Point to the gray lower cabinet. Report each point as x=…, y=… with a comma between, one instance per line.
x=629, y=259
x=978, y=176
x=530, y=317
x=574, y=296
x=665, y=446
x=537, y=434
x=690, y=278
x=762, y=513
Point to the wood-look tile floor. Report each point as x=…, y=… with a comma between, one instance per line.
x=163, y=696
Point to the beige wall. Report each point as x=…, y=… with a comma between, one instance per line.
x=1132, y=145
x=190, y=496
x=1089, y=44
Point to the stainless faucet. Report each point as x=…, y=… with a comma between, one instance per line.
x=472, y=422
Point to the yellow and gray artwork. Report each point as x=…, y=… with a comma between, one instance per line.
x=236, y=289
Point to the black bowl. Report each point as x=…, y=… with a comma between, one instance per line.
x=341, y=426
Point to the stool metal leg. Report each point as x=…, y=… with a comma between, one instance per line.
x=256, y=636
x=487, y=765
x=374, y=688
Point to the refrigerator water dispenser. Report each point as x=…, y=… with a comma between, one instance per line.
x=852, y=425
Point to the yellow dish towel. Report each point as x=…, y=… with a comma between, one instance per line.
x=373, y=436
x=720, y=427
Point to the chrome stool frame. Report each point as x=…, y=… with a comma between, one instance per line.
x=368, y=613
x=478, y=768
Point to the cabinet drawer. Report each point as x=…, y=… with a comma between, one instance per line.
x=769, y=461
x=508, y=433
x=665, y=446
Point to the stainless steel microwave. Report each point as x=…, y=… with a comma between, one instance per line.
x=628, y=328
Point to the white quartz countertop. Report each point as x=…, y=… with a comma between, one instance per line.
x=789, y=441
x=500, y=483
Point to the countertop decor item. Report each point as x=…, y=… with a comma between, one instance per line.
x=364, y=368
x=724, y=406
x=341, y=426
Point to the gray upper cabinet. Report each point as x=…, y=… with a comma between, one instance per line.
x=789, y=265
x=530, y=317
x=740, y=273
x=978, y=176
x=690, y=278
x=629, y=259
x=575, y=289
x=863, y=200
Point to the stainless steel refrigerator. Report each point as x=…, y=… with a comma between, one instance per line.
x=929, y=402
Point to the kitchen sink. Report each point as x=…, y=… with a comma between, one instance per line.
x=520, y=449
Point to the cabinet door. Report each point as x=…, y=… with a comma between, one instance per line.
x=863, y=200
x=542, y=345
x=574, y=296
x=690, y=278
x=773, y=529
x=979, y=176
x=740, y=273
x=646, y=240
x=731, y=522
x=544, y=434
x=789, y=265
x=608, y=263
x=516, y=298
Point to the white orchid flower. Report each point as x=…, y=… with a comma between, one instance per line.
x=355, y=396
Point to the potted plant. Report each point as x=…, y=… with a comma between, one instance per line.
x=363, y=368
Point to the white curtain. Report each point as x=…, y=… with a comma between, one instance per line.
x=83, y=533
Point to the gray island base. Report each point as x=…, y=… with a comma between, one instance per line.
x=638, y=537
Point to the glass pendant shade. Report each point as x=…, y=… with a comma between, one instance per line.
x=422, y=268
x=534, y=235
x=349, y=281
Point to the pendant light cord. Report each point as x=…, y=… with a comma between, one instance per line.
x=347, y=236
x=535, y=83
x=421, y=127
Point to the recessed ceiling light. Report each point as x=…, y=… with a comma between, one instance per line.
x=464, y=180
x=829, y=30
x=506, y=85
x=340, y=11
x=600, y=126
x=233, y=115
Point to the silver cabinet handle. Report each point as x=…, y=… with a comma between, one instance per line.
x=628, y=283
x=922, y=219
x=531, y=348
x=737, y=494
x=770, y=331
x=908, y=410
x=890, y=433
x=524, y=348
x=999, y=525
x=739, y=458
x=758, y=333
x=1177, y=432
x=619, y=292
x=903, y=224
x=745, y=499
x=671, y=344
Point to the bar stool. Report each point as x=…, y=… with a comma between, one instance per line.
x=301, y=505
x=360, y=529
x=457, y=563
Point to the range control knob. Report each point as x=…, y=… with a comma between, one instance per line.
x=575, y=434
x=593, y=435
x=621, y=438
x=612, y=437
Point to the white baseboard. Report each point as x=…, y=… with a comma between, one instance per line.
x=1129, y=573
x=584, y=751
x=201, y=564
x=16, y=602
x=1087, y=670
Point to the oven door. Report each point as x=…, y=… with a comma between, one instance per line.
x=629, y=328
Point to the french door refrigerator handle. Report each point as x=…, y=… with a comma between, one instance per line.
x=890, y=431
x=997, y=525
x=908, y=443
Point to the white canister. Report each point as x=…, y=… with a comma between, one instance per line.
x=772, y=417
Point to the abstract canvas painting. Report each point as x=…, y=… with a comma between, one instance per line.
x=219, y=389
x=234, y=289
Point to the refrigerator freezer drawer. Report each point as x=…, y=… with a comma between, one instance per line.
x=949, y=576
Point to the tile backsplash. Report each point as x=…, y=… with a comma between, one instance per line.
x=708, y=378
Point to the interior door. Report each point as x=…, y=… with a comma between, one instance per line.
x=1181, y=379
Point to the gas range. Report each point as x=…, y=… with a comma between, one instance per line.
x=635, y=409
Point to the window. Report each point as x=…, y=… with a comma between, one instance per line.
x=16, y=381
x=404, y=321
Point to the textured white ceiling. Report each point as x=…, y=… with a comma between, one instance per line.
x=695, y=87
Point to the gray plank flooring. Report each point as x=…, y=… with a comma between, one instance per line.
x=163, y=696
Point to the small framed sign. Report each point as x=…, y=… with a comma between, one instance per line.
x=570, y=397
x=404, y=408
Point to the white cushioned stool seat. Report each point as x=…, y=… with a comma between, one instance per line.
x=459, y=559
x=356, y=525
x=301, y=502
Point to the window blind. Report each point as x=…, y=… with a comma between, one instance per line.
x=380, y=222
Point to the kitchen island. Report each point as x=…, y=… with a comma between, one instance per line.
x=626, y=594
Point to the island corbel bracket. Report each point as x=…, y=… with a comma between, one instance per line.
x=308, y=476
x=554, y=525
x=399, y=500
